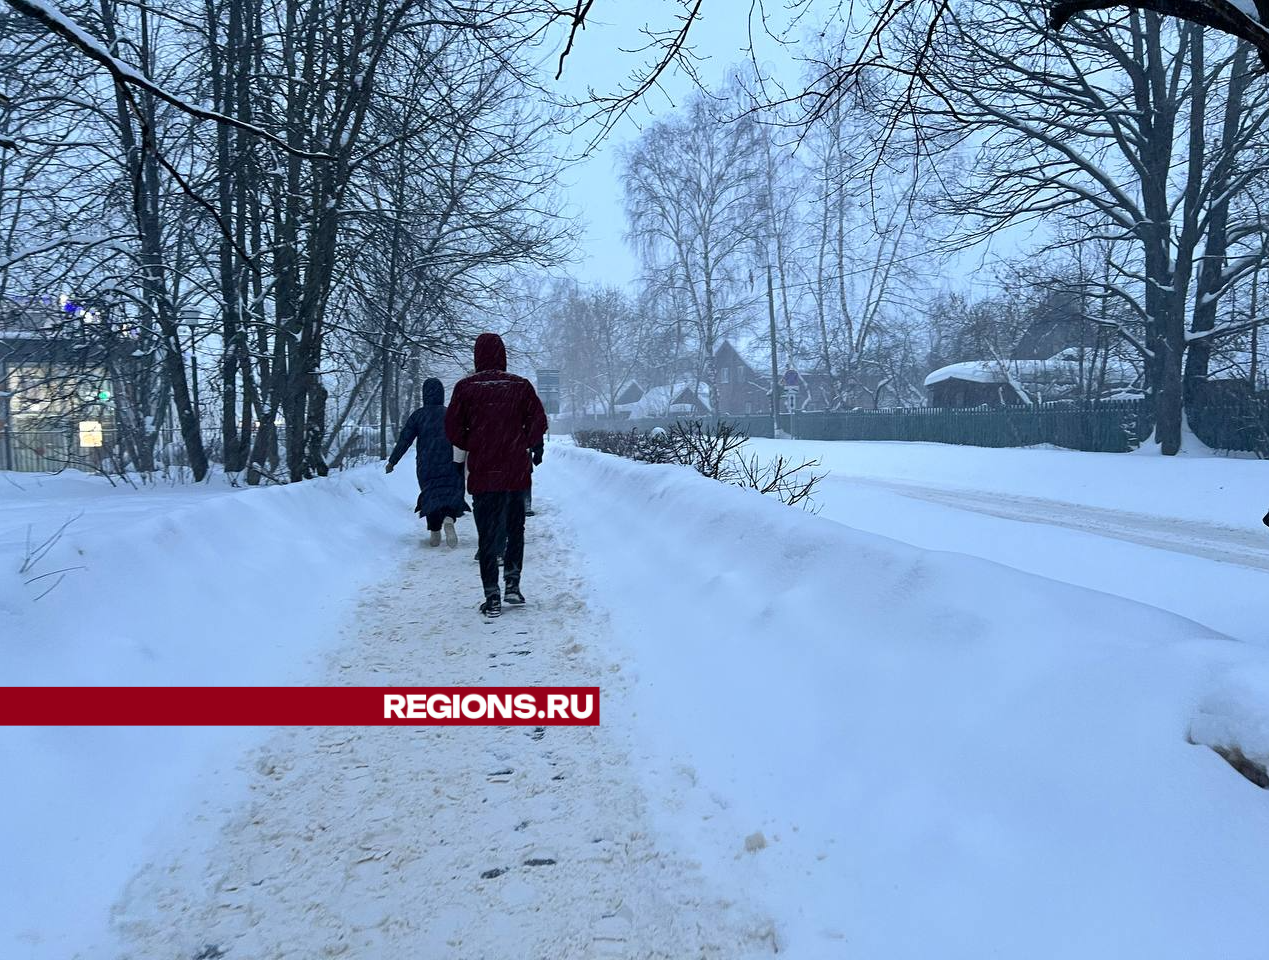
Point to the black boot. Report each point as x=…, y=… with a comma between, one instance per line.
x=511, y=594
x=492, y=607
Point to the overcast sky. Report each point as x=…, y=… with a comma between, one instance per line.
x=720, y=38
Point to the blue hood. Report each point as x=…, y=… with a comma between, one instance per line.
x=433, y=393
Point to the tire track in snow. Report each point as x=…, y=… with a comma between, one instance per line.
x=445, y=841
x=1249, y=548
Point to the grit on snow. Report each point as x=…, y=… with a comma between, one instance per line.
x=452, y=841
x=935, y=742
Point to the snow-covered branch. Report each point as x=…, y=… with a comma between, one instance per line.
x=126, y=75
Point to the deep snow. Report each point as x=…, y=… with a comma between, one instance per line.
x=1213, y=489
x=869, y=748
x=950, y=758
x=1181, y=534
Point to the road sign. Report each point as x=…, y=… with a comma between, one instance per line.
x=548, y=383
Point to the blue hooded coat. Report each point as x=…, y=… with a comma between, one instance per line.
x=440, y=478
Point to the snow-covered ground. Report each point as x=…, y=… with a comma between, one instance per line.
x=194, y=585
x=1182, y=534
x=815, y=739
x=454, y=841
x=947, y=757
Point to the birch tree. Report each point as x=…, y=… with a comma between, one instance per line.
x=692, y=200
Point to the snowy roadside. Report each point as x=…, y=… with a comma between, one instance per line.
x=944, y=756
x=814, y=739
x=1223, y=491
x=1182, y=535
x=176, y=585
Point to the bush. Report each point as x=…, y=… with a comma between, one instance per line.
x=711, y=452
x=649, y=447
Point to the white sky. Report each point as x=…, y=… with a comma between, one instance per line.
x=719, y=38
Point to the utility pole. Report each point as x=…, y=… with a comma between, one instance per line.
x=775, y=364
x=6, y=428
x=1255, y=329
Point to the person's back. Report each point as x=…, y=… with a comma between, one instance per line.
x=441, y=500
x=497, y=418
x=433, y=453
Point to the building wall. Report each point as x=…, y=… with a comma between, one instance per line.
x=970, y=393
x=740, y=389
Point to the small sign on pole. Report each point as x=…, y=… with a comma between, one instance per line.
x=90, y=433
x=548, y=383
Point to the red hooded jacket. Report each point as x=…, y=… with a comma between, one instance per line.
x=496, y=417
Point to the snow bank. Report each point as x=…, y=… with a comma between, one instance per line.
x=185, y=585
x=1063, y=368
x=944, y=757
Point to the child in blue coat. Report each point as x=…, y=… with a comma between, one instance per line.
x=441, y=491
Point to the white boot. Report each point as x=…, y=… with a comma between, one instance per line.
x=434, y=538
x=451, y=535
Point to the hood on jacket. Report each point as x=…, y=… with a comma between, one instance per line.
x=433, y=393
x=491, y=352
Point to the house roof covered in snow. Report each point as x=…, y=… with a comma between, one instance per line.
x=660, y=400
x=975, y=371
x=1062, y=367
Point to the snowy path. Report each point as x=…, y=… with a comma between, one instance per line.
x=384, y=842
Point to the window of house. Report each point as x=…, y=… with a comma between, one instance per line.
x=724, y=375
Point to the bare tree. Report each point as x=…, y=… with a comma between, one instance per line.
x=692, y=190
x=389, y=161
x=1129, y=130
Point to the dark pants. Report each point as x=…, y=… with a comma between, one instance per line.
x=528, y=507
x=436, y=519
x=499, y=519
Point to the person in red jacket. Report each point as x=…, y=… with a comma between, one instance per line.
x=498, y=419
